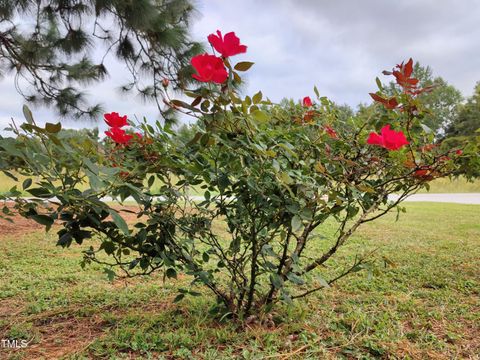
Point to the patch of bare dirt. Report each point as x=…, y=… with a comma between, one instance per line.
x=61, y=336
x=10, y=307
x=19, y=226
x=22, y=226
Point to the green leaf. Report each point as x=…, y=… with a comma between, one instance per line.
x=237, y=77
x=40, y=192
x=43, y=220
x=53, y=128
x=276, y=280
x=178, y=298
x=171, y=273
x=109, y=247
x=65, y=240
x=195, y=139
x=151, y=180
x=28, y=114
x=285, y=178
x=323, y=282
x=110, y=274
x=118, y=220
x=257, y=97
x=26, y=183
x=243, y=66
x=260, y=115
x=294, y=278
x=426, y=129
x=296, y=223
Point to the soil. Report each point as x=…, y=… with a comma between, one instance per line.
x=20, y=225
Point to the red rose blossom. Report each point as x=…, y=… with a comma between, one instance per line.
x=114, y=120
x=307, y=102
x=389, y=139
x=229, y=45
x=459, y=152
x=209, y=68
x=118, y=135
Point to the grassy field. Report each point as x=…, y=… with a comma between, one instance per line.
x=453, y=186
x=425, y=307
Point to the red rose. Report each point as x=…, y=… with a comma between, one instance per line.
x=118, y=135
x=209, y=68
x=459, y=152
x=389, y=139
x=228, y=45
x=114, y=120
x=307, y=102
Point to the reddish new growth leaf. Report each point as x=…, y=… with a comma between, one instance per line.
x=308, y=117
x=428, y=147
x=389, y=103
x=424, y=173
x=331, y=132
x=403, y=75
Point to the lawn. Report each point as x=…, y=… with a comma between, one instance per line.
x=424, y=305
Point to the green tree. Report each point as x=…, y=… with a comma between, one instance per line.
x=442, y=101
x=467, y=121
x=56, y=53
x=464, y=133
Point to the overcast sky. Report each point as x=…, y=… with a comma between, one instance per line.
x=338, y=45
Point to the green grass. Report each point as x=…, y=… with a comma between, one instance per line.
x=459, y=185
x=426, y=306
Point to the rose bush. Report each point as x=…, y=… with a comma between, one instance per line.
x=269, y=177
